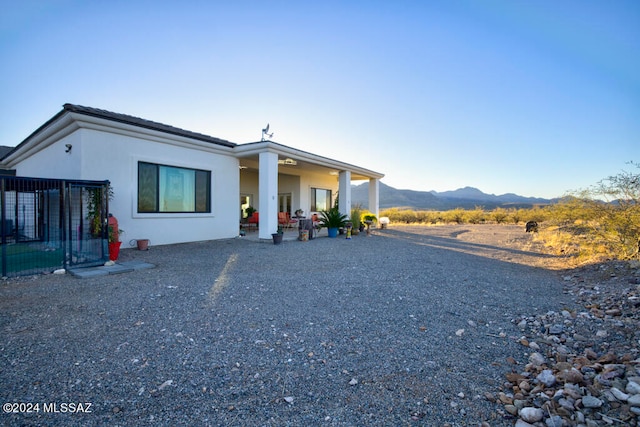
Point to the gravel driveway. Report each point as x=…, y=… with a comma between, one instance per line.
x=405, y=327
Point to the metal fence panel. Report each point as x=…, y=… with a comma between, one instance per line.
x=43, y=225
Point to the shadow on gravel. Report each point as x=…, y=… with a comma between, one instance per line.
x=478, y=249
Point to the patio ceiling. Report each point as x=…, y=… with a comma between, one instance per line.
x=297, y=162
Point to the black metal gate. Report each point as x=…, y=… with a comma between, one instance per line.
x=45, y=224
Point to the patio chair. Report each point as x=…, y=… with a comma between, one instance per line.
x=253, y=221
x=284, y=219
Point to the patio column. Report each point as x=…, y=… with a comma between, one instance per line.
x=344, y=192
x=268, y=189
x=374, y=196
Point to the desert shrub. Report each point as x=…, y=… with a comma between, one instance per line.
x=516, y=215
x=603, y=219
x=456, y=215
x=397, y=215
x=499, y=215
x=476, y=216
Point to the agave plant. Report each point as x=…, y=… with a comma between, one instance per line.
x=332, y=218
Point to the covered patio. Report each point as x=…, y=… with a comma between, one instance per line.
x=276, y=178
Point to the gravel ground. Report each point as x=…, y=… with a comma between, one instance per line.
x=410, y=326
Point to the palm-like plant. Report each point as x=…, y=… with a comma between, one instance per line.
x=332, y=218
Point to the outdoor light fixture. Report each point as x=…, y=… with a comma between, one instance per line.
x=69, y=147
x=287, y=161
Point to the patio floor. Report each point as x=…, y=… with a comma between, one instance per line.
x=289, y=235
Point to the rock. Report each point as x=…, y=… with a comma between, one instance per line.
x=289, y=399
x=511, y=409
x=531, y=415
x=522, y=325
x=620, y=395
x=632, y=388
x=634, y=400
x=353, y=381
x=507, y=400
x=556, y=329
x=537, y=359
x=591, y=402
x=521, y=423
x=165, y=384
x=546, y=377
x=554, y=421
x=572, y=376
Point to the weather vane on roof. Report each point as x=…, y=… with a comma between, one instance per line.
x=265, y=132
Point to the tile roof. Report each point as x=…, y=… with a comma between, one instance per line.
x=148, y=124
x=4, y=150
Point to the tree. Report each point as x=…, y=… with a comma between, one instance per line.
x=610, y=212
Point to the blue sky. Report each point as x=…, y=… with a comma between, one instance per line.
x=531, y=97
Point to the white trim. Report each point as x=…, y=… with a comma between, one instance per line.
x=252, y=149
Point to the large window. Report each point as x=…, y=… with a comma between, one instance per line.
x=320, y=199
x=172, y=189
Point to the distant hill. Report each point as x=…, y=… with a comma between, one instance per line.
x=466, y=198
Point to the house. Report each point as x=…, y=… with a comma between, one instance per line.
x=173, y=186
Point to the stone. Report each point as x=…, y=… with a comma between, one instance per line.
x=634, y=400
x=567, y=404
x=632, y=388
x=546, y=377
x=521, y=423
x=554, y=421
x=572, y=376
x=556, y=329
x=620, y=395
x=511, y=409
x=507, y=400
x=522, y=324
x=537, y=359
x=531, y=415
x=591, y=402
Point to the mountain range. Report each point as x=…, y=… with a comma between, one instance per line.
x=465, y=198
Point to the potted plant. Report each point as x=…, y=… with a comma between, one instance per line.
x=249, y=211
x=277, y=237
x=299, y=213
x=332, y=220
x=356, y=219
x=114, y=242
x=369, y=219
